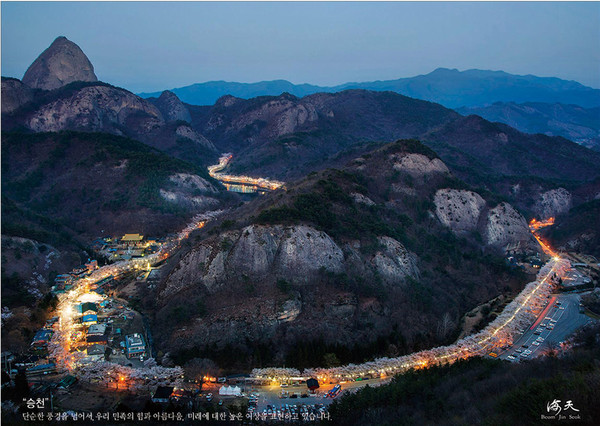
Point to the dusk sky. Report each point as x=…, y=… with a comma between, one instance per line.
x=154, y=46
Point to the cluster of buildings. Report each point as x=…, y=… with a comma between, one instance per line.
x=97, y=330
x=39, y=344
x=127, y=247
x=36, y=363
x=96, y=334
x=65, y=282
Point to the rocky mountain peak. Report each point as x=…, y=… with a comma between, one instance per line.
x=60, y=64
x=14, y=94
x=172, y=108
x=227, y=100
x=167, y=95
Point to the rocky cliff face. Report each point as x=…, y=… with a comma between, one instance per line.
x=458, y=209
x=14, y=94
x=394, y=262
x=282, y=115
x=553, y=203
x=297, y=254
x=419, y=165
x=185, y=131
x=171, y=107
x=294, y=253
x=192, y=182
x=97, y=108
x=505, y=226
x=190, y=191
x=60, y=64
x=465, y=211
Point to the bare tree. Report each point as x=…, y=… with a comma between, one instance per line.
x=445, y=326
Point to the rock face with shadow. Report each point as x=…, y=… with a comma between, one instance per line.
x=60, y=64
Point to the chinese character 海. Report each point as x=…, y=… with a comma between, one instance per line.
x=554, y=406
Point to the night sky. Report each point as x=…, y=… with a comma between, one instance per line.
x=154, y=46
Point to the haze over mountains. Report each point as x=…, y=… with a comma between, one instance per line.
x=531, y=104
x=581, y=125
x=449, y=87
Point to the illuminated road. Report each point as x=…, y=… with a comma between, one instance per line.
x=232, y=182
x=62, y=347
x=502, y=332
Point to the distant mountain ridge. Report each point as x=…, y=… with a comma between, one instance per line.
x=449, y=87
x=581, y=125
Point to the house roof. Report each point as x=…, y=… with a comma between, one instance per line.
x=89, y=306
x=97, y=329
x=67, y=381
x=96, y=350
x=132, y=237
x=41, y=367
x=97, y=339
x=134, y=340
x=42, y=335
x=89, y=318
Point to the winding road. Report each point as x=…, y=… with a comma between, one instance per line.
x=233, y=181
x=505, y=330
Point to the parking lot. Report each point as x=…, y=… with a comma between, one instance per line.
x=557, y=321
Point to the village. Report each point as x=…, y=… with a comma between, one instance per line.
x=96, y=344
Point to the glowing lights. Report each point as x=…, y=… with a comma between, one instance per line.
x=534, y=225
x=518, y=314
x=67, y=342
x=224, y=160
